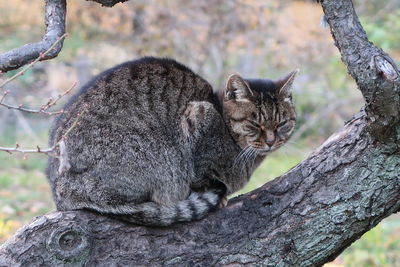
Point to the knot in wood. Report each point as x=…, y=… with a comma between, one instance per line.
x=69, y=244
x=386, y=68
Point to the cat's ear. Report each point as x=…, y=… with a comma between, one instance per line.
x=237, y=89
x=284, y=86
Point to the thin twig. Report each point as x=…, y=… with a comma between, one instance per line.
x=41, y=56
x=26, y=151
x=85, y=109
x=51, y=103
x=43, y=109
x=48, y=151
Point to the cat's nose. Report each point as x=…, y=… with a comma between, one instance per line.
x=270, y=138
x=270, y=142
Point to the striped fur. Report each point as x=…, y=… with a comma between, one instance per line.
x=148, y=142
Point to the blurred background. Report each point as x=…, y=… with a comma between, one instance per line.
x=214, y=38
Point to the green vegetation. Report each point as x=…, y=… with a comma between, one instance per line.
x=24, y=192
x=378, y=247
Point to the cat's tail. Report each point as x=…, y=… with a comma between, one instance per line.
x=195, y=207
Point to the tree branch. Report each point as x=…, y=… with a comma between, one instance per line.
x=55, y=28
x=375, y=73
x=39, y=58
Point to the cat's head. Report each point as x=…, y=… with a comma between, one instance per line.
x=260, y=112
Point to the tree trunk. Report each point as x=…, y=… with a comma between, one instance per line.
x=306, y=217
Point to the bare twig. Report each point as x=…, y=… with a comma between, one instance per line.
x=43, y=109
x=51, y=102
x=48, y=151
x=26, y=151
x=85, y=108
x=40, y=57
x=55, y=28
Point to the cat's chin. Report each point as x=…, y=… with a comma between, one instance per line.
x=263, y=151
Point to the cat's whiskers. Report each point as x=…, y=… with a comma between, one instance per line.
x=240, y=156
x=245, y=156
x=254, y=157
x=243, y=163
x=251, y=156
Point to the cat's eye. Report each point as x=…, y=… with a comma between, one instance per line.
x=282, y=123
x=284, y=127
x=252, y=134
x=253, y=123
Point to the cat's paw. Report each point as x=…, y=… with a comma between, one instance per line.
x=218, y=188
x=223, y=202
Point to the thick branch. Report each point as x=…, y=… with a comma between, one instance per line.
x=55, y=28
x=304, y=218
x=375, y=73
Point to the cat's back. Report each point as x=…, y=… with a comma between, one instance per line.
x=149, y=93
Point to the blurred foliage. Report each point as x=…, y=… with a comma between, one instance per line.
x=24, y=192
x=385, y=32
x=378, y=247
x=214, y=38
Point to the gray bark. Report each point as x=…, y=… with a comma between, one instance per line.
x=55, y=27
x=306, y=217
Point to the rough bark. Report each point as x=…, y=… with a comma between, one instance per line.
x=55, y=11
x=306, y=217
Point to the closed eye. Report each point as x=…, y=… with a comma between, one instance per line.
x=252, y=134
x=252, y=127
x=254, y=123
x=285, y=127
x=282, y=123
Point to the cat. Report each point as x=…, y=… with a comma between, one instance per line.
x=150, y=143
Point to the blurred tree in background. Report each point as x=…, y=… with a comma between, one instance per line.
x=214, y=38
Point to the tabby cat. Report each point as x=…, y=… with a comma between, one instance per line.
x=150, y=143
